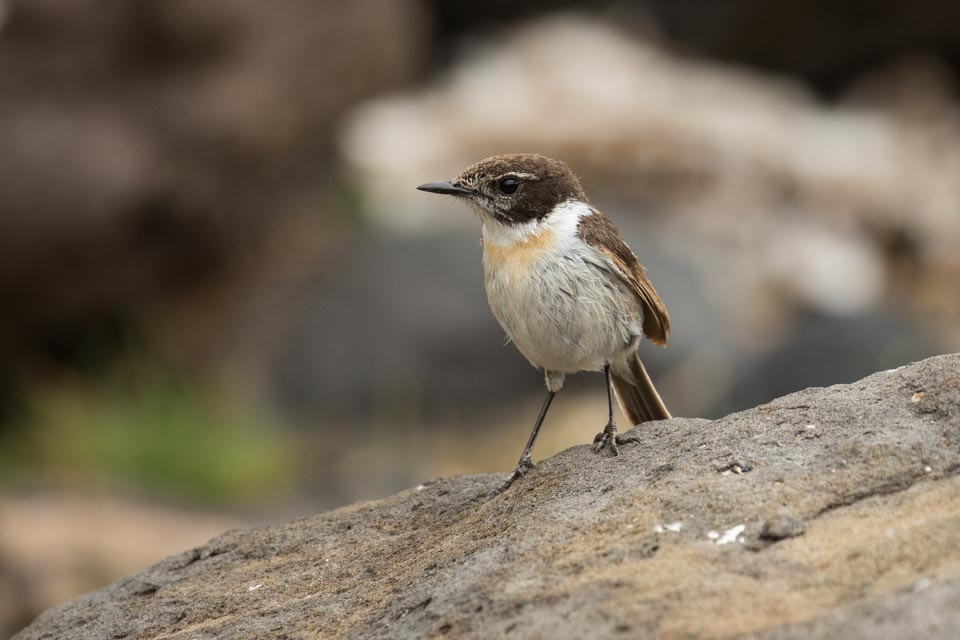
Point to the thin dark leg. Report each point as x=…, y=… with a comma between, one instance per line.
x=525, y=464
x=608, y=438
x=606, y=375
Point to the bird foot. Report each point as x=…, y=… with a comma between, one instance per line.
x=609, y=439
x=525, y=465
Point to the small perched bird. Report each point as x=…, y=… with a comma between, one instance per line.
x=564, y=285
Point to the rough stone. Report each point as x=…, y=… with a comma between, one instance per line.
x=781, y=526
x=654, y=543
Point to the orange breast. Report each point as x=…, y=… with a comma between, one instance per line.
x=519, y=254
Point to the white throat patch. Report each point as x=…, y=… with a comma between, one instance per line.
x=563, y=221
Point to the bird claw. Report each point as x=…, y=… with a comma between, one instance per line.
x=609, y=439
x=523, y=467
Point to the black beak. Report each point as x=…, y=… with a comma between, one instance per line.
x=447, y=188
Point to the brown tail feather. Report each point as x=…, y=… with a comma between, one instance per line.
x=637, y=395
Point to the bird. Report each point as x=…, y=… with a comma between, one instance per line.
x=564, y=285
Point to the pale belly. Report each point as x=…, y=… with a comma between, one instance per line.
x=563, y=312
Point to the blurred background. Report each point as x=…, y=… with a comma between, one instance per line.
x=223, y=302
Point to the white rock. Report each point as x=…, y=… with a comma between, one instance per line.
x=731, y=534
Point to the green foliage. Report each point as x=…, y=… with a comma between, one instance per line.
x=152, y=434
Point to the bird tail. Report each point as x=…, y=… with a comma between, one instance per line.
x=637, y=395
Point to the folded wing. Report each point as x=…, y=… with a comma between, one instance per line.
x=600, y=233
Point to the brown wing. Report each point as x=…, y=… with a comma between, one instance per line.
x=600, y=233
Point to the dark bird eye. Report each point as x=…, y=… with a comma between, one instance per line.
x=509, y=186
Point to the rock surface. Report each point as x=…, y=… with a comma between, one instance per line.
x=826, y=513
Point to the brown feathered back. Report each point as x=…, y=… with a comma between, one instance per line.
x=599, y=232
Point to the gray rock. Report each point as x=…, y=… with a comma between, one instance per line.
x=650, y=544
x=782, y=526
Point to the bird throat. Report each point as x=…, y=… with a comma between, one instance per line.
x=519, y=252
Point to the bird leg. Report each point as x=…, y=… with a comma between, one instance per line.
x=609, y=438
x=525, y=464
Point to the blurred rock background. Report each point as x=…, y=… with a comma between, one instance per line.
x=224, y=302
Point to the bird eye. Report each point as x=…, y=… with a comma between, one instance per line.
x=509, y=186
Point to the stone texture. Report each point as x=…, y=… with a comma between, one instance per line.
x=663, y=541
x=781, y=526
